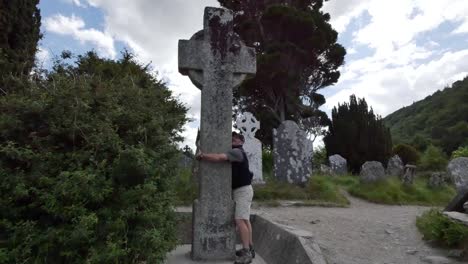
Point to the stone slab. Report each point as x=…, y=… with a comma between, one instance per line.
x=280, y=244
x=181, y=255
x=460, y=217
x=292, y=154
x=457, y=202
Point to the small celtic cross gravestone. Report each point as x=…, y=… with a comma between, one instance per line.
x=216, y=61
x=249, y=125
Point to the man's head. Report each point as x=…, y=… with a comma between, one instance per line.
x=237, y=139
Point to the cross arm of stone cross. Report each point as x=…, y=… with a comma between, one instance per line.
x=216, y=46
x=192, y=56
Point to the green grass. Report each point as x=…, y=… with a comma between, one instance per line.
x=320, y=191
x=438, y=228
x=345, y=181
x=274, y=190
x=324, y=190
x=392, y=191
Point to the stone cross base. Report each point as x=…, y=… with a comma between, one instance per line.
x=213, y=232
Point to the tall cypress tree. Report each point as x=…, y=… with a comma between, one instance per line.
x=357, y=134
x=20, y=22
x=297, y=54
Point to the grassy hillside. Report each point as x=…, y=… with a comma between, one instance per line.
x=440, y=119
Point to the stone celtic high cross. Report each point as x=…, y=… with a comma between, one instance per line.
x=216, y=61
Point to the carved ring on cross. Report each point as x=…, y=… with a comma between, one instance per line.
x=247, y=124
x=196, y=76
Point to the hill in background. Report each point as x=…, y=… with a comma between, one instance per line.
x=440, y=119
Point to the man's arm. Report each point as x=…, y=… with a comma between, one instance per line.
x=214, y=157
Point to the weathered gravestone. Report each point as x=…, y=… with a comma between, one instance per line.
x=457, y=170
x=292, y=154
x=248, y=125
x=410, y=173
x=458, y=201
x=436, y=180
x=216, y=61
x=372, y=171
x=395, y=166
x=324, y=169
x=338, y=164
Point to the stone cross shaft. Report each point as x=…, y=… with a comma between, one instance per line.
x=216, y=61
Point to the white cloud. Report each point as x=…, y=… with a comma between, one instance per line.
x=462, y=29
x=399, y=71
x=75, y=26
x=389, y=89
x=351, y=51
x=76, y=2
x=152, y=30
x=342, y=12
x=42, y=56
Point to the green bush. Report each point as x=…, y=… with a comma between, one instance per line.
x=319, y=157
x=433, y=159
x=186, y=188
x=267, y=164
x=437, y=227
x=86, y=157
x=460, y=152
x=393, y=191
x=407, y=153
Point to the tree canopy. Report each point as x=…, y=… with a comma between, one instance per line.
x=297, y=55
x=358, y=135
x=20, y=22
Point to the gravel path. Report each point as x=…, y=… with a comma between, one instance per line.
x=365, y=233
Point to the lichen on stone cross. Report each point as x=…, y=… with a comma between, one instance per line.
x=216, y=61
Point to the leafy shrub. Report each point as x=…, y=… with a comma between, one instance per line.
x=460, y=152
x=86, y=157
x=437, y=227
x=420, y=142
x=433, y=159
x=407, y=153
x=185, y=187
x=319, y=157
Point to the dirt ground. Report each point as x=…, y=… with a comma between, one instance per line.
x=364, y=233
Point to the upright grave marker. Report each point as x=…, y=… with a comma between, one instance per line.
x=292, y=153
x=216, y=61
x=248, y=125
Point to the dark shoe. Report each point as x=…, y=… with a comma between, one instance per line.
x=244, y=257
x=252, y=252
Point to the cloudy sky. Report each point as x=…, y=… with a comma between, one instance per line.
x=399, y=51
